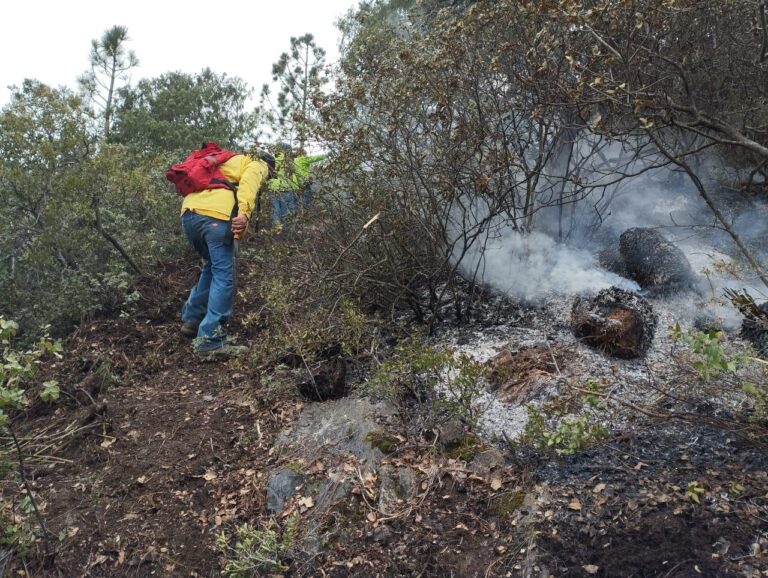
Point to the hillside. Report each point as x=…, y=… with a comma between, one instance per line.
x=152, y=460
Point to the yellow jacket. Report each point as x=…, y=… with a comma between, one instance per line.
x=248, y=173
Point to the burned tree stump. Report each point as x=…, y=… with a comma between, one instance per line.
x=754, y=328
x=328, y=381
x=655, y=263
x=617, y=322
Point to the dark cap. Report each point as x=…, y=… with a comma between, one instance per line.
x=268, y=158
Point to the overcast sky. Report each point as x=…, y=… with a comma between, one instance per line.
x=49, y=40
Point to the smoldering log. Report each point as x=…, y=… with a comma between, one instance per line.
x=615, y=321
x=655, y=263
x=611, y=260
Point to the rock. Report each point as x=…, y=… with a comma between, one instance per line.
x=616, y=321
x=484, y=462
x=654, y=263
x=341, y=426
x=397, y=486
x=452, y=433
x=281, y=485
x=383, y=534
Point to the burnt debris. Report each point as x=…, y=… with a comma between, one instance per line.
x=615, y=321
x=754, y=327
x=657, y=265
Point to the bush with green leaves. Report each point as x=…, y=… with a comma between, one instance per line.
x=438, y=380
x=567, y=436
x=304, y=324
x=257, y=551
x=725, y=370
x=18, y=367
x=17, y=371
x=79, y=217
x=709, y=357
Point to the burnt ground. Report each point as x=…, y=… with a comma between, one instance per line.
x=151, y=454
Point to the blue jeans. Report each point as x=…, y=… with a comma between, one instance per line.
x=210, y=301
x=287, y=203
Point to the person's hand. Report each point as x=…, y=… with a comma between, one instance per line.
x=239, y=224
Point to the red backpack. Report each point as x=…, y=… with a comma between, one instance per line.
x=200, y=170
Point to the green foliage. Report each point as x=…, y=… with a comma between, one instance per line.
x=18, y=367
x=592, y=397
x=176, y=112
x=710, y=358
x=300, y=77
x=257, y=551
x=110, y=61
x=694, y=492
x=77, y=219
x=16, y=528
x=759, y=396
x=569, y=436
x=451, y=382
x=17, y=370
x=309, y=327
x=412, y=371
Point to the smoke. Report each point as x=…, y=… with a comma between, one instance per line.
x=559, y=257
x=531, y=267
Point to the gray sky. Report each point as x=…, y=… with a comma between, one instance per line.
x=50, y=40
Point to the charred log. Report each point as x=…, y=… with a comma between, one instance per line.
x=654, y=263
x=611, y=260
x=617, y=322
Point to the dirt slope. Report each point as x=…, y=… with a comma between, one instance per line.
x=153, y=453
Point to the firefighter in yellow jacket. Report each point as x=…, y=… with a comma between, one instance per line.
x=210, y=219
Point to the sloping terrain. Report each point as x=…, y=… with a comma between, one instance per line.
x=153, y=459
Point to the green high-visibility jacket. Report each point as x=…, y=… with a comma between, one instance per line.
x=296, y=179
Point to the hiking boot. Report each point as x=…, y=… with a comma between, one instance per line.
x=188, y=329
x=226, y=351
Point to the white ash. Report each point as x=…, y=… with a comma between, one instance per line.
x=627, y=381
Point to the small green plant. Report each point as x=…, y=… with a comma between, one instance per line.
x=709, y=356
x=464, y=383
x=413, y=370
x=593, y=394
x=257, y=551
x=303, y=326
x=694, y=492
x=759, y=397
x=569, y=436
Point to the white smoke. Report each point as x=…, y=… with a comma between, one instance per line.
x=559, y=256
x=531, y=267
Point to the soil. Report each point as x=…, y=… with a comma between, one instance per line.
x=152, y=453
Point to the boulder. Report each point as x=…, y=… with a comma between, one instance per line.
x=615, y=321
x=280, y=487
